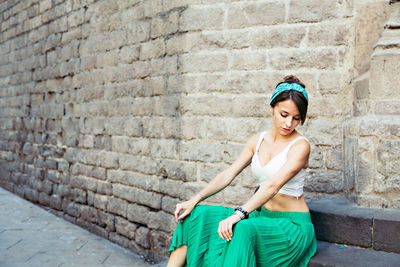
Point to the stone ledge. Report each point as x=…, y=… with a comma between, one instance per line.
x=336, y=220
x=333, y=255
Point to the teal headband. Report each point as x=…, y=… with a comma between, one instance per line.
x=288, y=86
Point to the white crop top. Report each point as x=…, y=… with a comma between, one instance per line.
x=294, y=187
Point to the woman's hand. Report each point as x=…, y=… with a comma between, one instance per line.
x=184, y=207
x=225, y=228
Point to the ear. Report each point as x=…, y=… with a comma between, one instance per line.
x=271, y=109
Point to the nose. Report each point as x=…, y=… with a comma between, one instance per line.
x=288, y=122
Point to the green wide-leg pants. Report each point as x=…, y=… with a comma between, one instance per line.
x=266, y=238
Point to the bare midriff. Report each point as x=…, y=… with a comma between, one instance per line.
x=286, y=203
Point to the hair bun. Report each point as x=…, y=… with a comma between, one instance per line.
x=293, y=79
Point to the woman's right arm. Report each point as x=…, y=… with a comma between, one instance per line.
x=220, y=181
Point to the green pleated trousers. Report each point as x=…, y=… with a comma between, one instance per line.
x=266, y=238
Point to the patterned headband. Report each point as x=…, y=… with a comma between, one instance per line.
x=288, y=86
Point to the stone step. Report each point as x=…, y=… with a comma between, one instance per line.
x=336, y=220
x=334, y=255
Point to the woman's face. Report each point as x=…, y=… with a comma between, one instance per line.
x=286, y=117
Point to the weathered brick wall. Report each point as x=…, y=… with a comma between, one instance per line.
x=113, y=111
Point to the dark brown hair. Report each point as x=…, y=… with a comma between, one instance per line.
x=297, y=97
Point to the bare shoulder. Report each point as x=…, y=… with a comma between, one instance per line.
x=300, y=147
x=252, y=141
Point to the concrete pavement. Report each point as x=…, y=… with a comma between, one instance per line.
x=31, y=236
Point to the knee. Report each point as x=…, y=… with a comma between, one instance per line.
x=244, y=228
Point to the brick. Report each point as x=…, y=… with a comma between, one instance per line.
x=137, y=196
x=259, y=13
x=106, y=221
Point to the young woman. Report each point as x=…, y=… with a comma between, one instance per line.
x=278, y=234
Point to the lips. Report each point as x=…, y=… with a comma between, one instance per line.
x=285, y=130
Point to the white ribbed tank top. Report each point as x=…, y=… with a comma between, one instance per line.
x=294, y=187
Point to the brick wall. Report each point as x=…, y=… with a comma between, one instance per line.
x=113, y=111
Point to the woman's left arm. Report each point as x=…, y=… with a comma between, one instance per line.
x=297, y=158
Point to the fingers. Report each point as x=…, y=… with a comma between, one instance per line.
x=225, y=230
x=177, y=211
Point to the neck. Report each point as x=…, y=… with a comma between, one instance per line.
x=277, y=137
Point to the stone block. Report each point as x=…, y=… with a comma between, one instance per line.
x=168, y=204
x=236, y=195
x=73, y=209
x=142, y=237
x=330, y=82
x=178, y=170
x=386, y=231
x=134, y=179
x=159, y=242
x=255, y=13
x=138, y=214
x=139, y=196
x=129, y=54
x=125, y=227
x=164, y=25
x=338, y=221
x=143, y=165
x=201, y=18
x=182, y=43
x=107, y=221
x=248, y=60
x=117, y=206
x=311, y=11
x=203, y=62
x=202, y=105
x=119, y=239
x=161, y=221
x=328, y=34
x=88, y=214
x=387, y=108
x=107, y=59
x=324, y=181
x=303, y=58
x=279, y=37
x=323, y=132
x=76, y=18
x=104, y=187
x=164, y=148
x=335, y=158
x=152, y=49
x=140, y=69
x=100, y=201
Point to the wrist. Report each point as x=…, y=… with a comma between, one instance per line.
x=197, y=198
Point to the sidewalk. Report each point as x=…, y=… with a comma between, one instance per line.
x=31, y=236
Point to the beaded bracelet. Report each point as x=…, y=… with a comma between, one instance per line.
x=242, y=213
